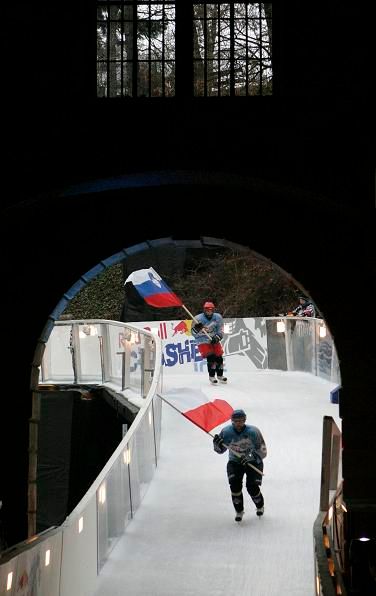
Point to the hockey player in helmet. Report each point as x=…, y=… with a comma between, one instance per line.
x=248, y=442
x=208, y=332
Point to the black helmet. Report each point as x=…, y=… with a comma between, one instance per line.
x=236, y=414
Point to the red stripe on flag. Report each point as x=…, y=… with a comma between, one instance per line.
x=164, y=299
x=210, y=415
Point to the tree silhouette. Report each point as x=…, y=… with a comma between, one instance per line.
x=232, y=48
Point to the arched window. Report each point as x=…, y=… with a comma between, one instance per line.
x=225, y=48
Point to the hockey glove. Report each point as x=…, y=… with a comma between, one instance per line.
x=215, y=339
x=197, y=327
x=217, y=442
x=247, y=459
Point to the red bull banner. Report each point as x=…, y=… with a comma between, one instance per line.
x=244, y=344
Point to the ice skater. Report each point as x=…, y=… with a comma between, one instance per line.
x=245, y=445
x=208, y=333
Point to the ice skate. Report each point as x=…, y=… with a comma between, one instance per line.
x=213, y=380
x=260, y=511
x=239, y=516
x=222, y=379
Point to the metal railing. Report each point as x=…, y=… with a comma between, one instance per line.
x=66, y=560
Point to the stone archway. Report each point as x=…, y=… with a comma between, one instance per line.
x=283, y=224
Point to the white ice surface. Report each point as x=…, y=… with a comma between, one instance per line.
x=183, y=540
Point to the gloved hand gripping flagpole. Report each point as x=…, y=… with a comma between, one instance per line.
x=239, y=456
x=195, y=320
x=209, y=433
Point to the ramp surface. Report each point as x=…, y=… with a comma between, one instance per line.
x=183, y=540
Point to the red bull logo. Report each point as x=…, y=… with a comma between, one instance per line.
x=182, y=327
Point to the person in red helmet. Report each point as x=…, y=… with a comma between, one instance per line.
x=208, y=333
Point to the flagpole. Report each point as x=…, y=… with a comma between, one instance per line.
x=210, y=435
x=195, y=320
x=169, y=403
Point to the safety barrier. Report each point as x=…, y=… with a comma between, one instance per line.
x=328, y=528
x=66, y=560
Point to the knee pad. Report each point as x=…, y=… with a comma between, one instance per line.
x=254, y=491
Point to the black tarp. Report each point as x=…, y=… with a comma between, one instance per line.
x=78, y=432
x=54, y=451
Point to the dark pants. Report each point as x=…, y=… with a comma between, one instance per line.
x=235, y=473
x=215, y=365
x=214, y=361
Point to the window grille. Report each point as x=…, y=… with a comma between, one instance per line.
x=231, y=52
x=232, y=48
x=136, y=49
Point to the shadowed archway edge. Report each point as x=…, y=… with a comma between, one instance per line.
x=188, y=178
x=164, y=178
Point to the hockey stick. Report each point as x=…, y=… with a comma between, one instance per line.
x=238, y=455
